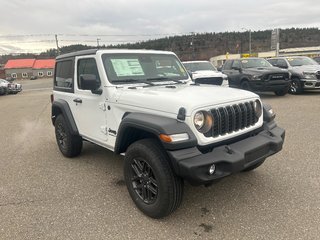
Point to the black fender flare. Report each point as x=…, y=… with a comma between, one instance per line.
x=155, y=125
x=62, y=107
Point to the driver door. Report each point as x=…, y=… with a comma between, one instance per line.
x=88, y=107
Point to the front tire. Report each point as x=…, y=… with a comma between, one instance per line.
x=295, y=87
x=245, y=85
x=281, y=92
x=151, y=182
x=69, y=145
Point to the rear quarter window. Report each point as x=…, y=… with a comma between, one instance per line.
x=63, y=80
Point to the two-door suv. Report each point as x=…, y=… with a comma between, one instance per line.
x=142, y=104
x=257, y=74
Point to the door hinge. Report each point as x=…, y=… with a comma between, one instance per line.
x=104, y=130
x=102, y=106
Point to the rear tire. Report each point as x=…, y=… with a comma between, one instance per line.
x=151, y=182
x=69, y=145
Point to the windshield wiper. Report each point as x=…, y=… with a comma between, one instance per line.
x=165, y=78
x=131, y=80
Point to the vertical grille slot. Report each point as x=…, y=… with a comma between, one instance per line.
x=232, y=118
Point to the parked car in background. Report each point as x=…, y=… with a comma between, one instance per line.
x=305, y=72
x=3, y=87
x=204, y=72
x=33, y=77
x=317, y=59
x=12, y=87
x=10, y=79
x=257, y=74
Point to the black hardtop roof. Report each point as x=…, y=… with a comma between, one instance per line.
x=78, y=53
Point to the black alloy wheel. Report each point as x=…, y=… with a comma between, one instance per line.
x=143, y=180
x=61, y=135
x=295, y=87
x=69, y=145
x=151, y=182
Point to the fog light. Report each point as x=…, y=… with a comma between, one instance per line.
x=212, y=169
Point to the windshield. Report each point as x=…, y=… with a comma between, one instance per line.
x=199, y=66
x=255, y=63
x=301, y=61
x=123, y=68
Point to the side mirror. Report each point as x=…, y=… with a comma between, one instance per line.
x=219, y=69
x=90, y=82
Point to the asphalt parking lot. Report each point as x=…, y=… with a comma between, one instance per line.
x=46, y=196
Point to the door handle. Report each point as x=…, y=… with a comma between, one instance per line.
x=77, y=100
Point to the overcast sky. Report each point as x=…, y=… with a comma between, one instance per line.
x=30, y=25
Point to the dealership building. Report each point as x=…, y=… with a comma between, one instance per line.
x=26, y=68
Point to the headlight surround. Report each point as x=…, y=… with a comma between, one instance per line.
x=203, y=121
x=309, y=75
x=256, y=77
x=257, y=108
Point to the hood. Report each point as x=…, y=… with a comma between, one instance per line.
x=207, y=73
x=307, y=68
x=264, y=70
x=171, y=99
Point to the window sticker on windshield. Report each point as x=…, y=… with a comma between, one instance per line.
x=244, y=61
x=290, y=59
x=127, y=67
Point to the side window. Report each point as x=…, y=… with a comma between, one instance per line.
x=227, y=65
x=64, y=74
x=273, y=61
x=282, y=63
x=236, y=64
x=87, y=66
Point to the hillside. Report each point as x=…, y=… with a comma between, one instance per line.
x=205, y=45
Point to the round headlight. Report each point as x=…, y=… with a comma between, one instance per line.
x=257, y=108
x=198, y=120
x=203, y=121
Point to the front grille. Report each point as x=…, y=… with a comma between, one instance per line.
x=209, y=80
x=318, y=75
x=276, y=76
x=232, y=118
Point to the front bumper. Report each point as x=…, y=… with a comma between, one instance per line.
x=311, y=83
x=193, y=165
x=272, y=85
x=14, y=90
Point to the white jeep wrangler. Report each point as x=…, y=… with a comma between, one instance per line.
x=142, y=104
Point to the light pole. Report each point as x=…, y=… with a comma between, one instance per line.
x=249, y=30
x=98, y=39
